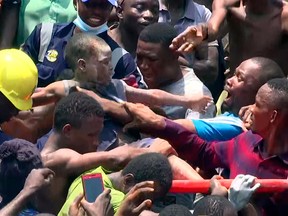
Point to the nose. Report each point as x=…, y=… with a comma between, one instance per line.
x=148, y=15
x=229, y=82
x=142, y=64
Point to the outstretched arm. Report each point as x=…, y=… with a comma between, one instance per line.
x=155, y=97
x=194, y=35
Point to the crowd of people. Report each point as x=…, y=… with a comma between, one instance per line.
x=143, y=93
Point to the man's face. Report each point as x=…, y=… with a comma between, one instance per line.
x=137, y=14
x=7, y=109
x=262, y=112
x=153, y=62
x=94, y=12
x=99, y=68
x=86, y=138
x=242, y=87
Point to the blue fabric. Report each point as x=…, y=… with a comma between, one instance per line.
x=28, y=212
x=54, y=65
x=221, y=128
x=4, y=137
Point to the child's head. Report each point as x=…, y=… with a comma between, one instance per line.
x=90, y=58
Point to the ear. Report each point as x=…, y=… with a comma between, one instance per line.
x=119, y=12
x=273, y=116
x=129, y=181
x=81, y=65
x=66, y=130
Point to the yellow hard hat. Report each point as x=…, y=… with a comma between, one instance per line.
x=18, y=77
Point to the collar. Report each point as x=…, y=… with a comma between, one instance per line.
x=258, y=146
x=190, y=9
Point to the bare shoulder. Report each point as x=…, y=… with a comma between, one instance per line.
x=59, y=158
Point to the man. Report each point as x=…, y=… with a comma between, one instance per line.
x=16, y=68
x=249, y=76
x=133, y=16
x=70, y=149
x=249, y=36
x=261, y=152
x=161, y=69
x=151, y=167
x=46, y=43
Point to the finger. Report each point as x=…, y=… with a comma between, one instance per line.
x=46, y=172
x=145, y=205
x=78, y=199
x=145, y=184
x=184, y=47
x=249, y=180
x=255, y=187
x=131, y=125
x=85, y=204
x=217, y=177
x=189, y=48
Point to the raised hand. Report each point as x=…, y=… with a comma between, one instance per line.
x=38, y=178
x=188, y=40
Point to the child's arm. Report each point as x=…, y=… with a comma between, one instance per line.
x=52, y=93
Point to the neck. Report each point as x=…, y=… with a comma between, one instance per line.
x=116, y=179
x=176, y=70
x=126, y=38
x=54, y=142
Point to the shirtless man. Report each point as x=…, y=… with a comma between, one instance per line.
x=70, y=150
x=256, y=28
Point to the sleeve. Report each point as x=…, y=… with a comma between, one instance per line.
x=196, y=151
x=216, y=131
x=126, y=67
x=32, y=44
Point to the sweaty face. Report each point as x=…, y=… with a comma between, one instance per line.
x=242, y=87
x=137, y=14
x=262, y=112
x=99, y=68
x=153, y=62
x=86, y=138
x=94, y=12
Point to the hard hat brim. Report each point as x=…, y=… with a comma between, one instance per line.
x=20, y=104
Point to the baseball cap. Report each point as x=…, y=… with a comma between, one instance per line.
x=113, y=2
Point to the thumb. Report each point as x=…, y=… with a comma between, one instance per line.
x=130, y=125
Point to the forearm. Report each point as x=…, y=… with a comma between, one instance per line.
x=17, y=204
x=115, y=110
x=206, y=70
x=154, y=97
x=8, y=25
x=182, y=170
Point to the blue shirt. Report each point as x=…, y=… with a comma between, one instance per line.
x=54, y=63
x=221, y=128
x=4, y=137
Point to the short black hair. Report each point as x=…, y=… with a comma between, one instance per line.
x=175, y=210
x=279, y=97
x=151, y=167
x=162, y=33
x=75, y=108
x=18, y=158
x=214, y=206
x=82, y=45
x=269, y=69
